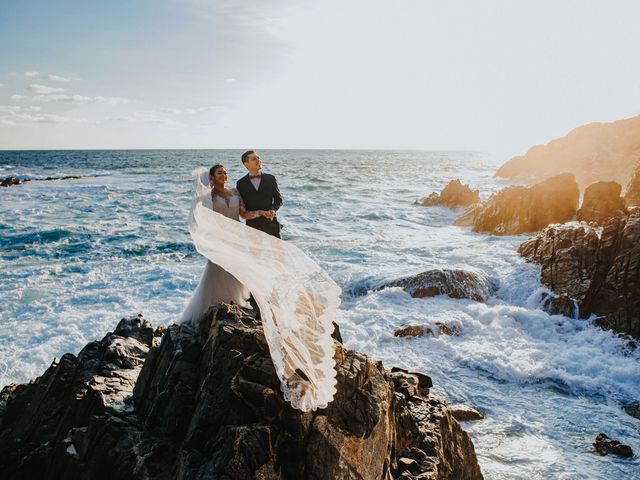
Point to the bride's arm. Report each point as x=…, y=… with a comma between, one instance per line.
x=249, y=215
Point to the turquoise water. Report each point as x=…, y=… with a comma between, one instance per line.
x=77, y=255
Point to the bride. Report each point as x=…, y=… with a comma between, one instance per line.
x=298, y=301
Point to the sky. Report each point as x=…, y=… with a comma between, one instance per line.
x=496, y=76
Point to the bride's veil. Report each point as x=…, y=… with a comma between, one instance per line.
x=298, y=301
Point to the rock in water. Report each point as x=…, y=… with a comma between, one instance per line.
x=600, y=271
x=593, y=152
x=208, y=406
x=454, y=283
x=9, y=181
x=605, y=445
x=464, y=413
x=454, y=195
x=601, y=201
x=632, y=194
x=516, y=210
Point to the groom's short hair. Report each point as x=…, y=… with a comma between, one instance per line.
x=246, y=154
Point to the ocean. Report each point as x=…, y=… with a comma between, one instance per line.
x=77, y=255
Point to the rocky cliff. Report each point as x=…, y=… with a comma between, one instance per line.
x=206, y=404
x=515, y=210
x=598, y=269
x=593, y=152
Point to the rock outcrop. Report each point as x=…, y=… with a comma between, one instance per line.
x=601, y=201
x=422, y=330
x=207, y=405
x=9, y=181
x=601, y=271
x=593, y=152
x=632, y=193
x=604, y=445
x=454, y=195
x=454, y=283
x=516, y=210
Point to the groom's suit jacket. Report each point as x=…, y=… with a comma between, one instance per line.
x=267, y=197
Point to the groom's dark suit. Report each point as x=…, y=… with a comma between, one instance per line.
x=267, y=197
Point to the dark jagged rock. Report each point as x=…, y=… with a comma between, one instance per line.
x=421, y=330
x=600, y=271
x=601, y=201
x=559, y=305
x=633, y=410
x=632, y=194
x=605, y=445
x=454, y=283
x=516, y=210
x=74, y=407
x=454, y=195
x=208, y=406
x=465, y=413
x=9, y=181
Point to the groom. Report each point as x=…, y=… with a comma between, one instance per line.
x=259, y=191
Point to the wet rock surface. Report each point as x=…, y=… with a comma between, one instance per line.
x=601, y=271
x=208, y=405
x=601, y=201
x=454, y=195
x=604, y=445
x=516, y=210
x=454, y=283
x=10, y=181
x=465, y=413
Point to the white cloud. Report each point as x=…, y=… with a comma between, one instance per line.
x=17, y=97
x=189, y=111
x=230, y=80
x=14, y=115
x=49, y=76
x=145, y=117
x=43, y=89
x=80, y=99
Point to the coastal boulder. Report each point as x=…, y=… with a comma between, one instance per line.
x=599, y=270
x=454, y=283
x=601, y=201
x=9, y=181
x=516, y=210
x=207, y=405
x=605, y=446
x=454, y=195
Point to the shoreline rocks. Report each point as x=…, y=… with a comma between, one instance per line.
x=453, y=195
x=600, y=271
x=451, y=282
x=207, y=404
x=517, y=210
x=601, y=202
x=604, y=445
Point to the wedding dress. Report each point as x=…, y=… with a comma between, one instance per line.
x=298, y=301
x=216, y=284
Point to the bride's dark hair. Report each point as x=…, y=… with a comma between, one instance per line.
x=212, y=170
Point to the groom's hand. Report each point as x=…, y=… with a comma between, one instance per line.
x=271, y=214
